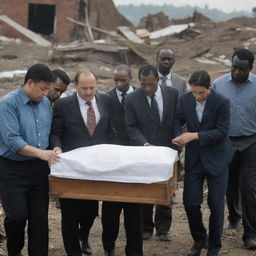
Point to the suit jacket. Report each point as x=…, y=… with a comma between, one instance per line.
x=179, y=83
x=69, y=130
x=142, y=127
x=117, y=115
x=213, y=146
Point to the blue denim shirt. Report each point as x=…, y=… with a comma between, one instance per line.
x=242, y=103
x=23, y=123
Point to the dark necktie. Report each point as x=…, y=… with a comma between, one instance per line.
x=164, y=83
x=91, y=118
x=123, y=98
x=154, y=109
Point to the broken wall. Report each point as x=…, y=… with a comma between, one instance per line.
x=19, y=11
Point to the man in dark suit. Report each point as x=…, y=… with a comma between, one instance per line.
x=165, y=60
x=206, y=115
x=80, y=120
x=111, y=210
x=149, y=114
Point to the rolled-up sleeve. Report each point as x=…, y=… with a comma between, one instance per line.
x=11, y=129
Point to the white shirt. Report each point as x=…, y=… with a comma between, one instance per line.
x=119, y=93
x=159, y=101
x=84, y=108
x=168, y=79
x=200, y=110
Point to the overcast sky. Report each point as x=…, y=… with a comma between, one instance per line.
x=224, y=5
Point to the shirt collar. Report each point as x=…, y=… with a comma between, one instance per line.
x=158, y=92
x=25, y=99
x=82, y=101
x=250, y=79
x=119, y=93
x=201, y=104
x=168, y=76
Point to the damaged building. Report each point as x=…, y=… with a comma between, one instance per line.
x=49, y=17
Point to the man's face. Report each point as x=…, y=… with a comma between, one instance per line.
x=37, y=90
x=122, y=80
x=165, y=61
x=148, y=84
x=86, y=87
x=56, y=90
x=240, y=70
x=200, y=93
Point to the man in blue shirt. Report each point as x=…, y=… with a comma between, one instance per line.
x=240, y=87
x=25, y=118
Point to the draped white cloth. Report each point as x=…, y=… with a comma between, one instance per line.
x=116, y=163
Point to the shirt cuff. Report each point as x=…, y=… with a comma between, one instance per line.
x=17, y=145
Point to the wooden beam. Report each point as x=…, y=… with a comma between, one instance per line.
x=24, y=31
x=130, y=35
x=100, y=30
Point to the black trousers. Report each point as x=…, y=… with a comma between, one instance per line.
x=76, y=213
x=233, y=195
x=162, y=220
x=133, y=226
x=24, y=195
x=243, y=180
x=193, y=198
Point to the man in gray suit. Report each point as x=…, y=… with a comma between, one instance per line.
x=149, y=117
x=80, y=120
x=165, y=61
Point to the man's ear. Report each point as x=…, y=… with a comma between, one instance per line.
x=30, y=82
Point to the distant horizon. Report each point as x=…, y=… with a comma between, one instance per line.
x=134, y=13
x=227, y=6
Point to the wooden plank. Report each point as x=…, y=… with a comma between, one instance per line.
x=109, y=191
x=26, y=32
x=130, y=35
x=93, y=46
x=103, y=31
x=154, y=193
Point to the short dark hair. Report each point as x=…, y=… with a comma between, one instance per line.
x=200, y=78
x=147, y=70
x=124, y=67
x=62, y=76
x=164, y=49
x=244, y=54
x=39, y=72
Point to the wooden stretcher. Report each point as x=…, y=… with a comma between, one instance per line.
x=154, y=193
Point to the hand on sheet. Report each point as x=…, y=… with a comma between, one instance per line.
x=185, y=138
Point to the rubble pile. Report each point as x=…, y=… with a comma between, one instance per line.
x=197, y=41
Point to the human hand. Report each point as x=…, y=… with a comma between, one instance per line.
x=58, y=150
x=50, y=156
x=185, y=138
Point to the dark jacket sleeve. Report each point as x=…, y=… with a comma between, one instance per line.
x=112, y=136
x=222, y=126
x=58, y=127
x=179, y=120
x=133, y=132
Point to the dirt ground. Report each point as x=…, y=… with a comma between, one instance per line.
x=179, y=245
x=20, y=55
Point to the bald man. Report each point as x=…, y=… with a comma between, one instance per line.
x=80, y=120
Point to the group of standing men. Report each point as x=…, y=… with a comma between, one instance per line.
x=145, y=116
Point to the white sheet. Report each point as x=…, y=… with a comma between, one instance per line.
x=128, y=164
